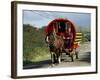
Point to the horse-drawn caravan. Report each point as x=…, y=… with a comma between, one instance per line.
x=60, y=37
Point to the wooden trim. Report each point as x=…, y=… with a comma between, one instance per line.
x=13, y=39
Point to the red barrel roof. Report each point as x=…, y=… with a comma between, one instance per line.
x=49, y=28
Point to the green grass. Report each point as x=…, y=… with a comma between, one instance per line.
x=34, y=46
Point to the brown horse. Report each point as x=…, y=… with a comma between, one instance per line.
x=56, y=45
x=59, y=46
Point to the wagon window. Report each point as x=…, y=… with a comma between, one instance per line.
x=61, y=27
x=66, y=26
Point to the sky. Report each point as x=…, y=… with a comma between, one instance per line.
x=43, y=18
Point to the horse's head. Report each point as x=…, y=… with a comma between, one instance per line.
x=50, y=38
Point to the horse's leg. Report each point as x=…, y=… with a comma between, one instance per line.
x=72, y=58
x=52, y=60
x=58, y=56
x=59, y=59
x=53, y=57
x=67, y=52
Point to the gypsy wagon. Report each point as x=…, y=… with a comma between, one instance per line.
x=60, y=37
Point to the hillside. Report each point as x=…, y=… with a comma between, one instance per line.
x=34, y=45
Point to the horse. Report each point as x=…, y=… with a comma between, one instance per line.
x=59, y=46
x=56, y=45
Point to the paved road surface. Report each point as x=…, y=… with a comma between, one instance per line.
x=84, y=59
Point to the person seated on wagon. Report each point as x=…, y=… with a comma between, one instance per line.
x=68, y=37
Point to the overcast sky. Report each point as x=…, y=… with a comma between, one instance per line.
x=42, y=18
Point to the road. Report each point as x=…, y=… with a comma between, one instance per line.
x=84, y=59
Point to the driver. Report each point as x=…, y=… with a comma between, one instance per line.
x=68, y=36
